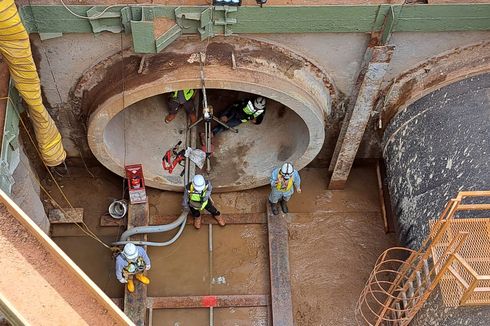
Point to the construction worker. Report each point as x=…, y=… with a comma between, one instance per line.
x=182, y=98
x=282, y=181
x=241, y=112
x=133, y=260
x=197, y=197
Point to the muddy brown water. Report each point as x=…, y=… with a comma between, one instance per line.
x=334, y=240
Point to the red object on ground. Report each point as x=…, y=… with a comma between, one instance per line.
x=136, y=183
x=209, y=301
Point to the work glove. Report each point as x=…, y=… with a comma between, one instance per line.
x=123, y=280
x=148, y=267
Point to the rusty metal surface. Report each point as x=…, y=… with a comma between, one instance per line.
x=248, y=218
x=356, y=124
x=281, y=302
x=433, y=74
x=201, y=301
x=135, y=303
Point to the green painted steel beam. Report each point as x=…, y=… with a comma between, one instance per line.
x=281, y=19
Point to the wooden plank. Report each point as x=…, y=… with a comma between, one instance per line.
x=107, y=220
x=73, y=215
x=135, y=303
x=64, y=260
x=282, y=305
x=247, y=218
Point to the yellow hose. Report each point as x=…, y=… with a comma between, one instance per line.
x=16, y=50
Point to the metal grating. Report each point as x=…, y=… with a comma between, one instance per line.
x=456, y=254
x=467, y=280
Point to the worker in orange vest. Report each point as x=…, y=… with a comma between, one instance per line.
x=182, y=98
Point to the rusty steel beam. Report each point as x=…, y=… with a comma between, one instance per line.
x=135, y=303
x=355, y=126
x=281, y=302
x=204, y=301
x=247, y=218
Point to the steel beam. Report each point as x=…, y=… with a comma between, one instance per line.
x=248, y=218
x=281, y=301
x=216, y=301
x=135, y=303
x=355, y=125
x=276, y=19
x=205, y=301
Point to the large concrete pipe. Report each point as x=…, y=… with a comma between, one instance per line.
x=434, y=148
x=126, y=123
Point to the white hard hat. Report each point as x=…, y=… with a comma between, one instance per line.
x=198, y=182
x=130, y=251
x=287, y=170
x=259, y=103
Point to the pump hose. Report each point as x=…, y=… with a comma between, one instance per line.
x=181, y=221
x=16, y=50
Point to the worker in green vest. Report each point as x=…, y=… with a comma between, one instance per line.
x=241, y=112
x=197, y=197
x=182, y=98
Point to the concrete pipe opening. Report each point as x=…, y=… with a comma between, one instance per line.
x=126, y=124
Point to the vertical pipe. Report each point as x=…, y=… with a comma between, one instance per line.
x=210, y=248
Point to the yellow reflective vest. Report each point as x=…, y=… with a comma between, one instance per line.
x=188, y=93
x=135, y=267
x=251, y=112
x=196, y=199
x=281, y=185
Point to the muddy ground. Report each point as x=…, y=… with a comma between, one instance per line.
x=334, y=239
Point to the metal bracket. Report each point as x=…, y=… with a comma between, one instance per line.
x=389, y=24
x=103, y=21
x=227, y=21
x=168, y=37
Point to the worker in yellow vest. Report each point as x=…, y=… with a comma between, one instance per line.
x=197, y=197
x=243, y=111
x=283, y=182
x=182, y=98
x=132, y=261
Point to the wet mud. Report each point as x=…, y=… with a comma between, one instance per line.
x=334, y=238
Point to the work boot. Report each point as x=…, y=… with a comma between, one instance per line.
x=284, y=206
x=219, y=219
x=130, y=286
x=192, y=118
x=170, y=117
x=274, y=208
x=197, y=222
x=142, y=278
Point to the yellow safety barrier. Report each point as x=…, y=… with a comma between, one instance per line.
x=16, y=50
